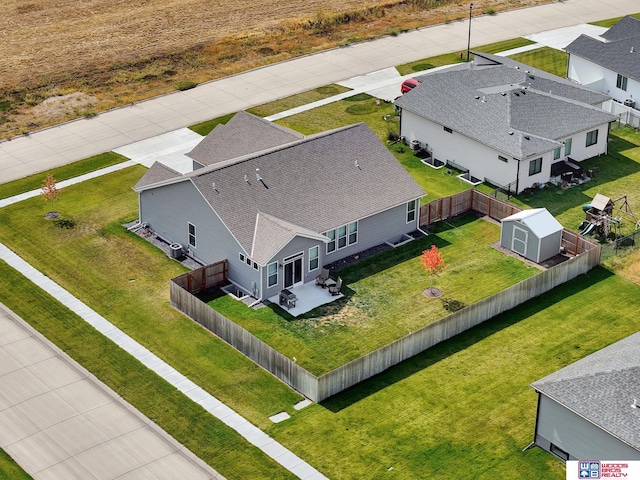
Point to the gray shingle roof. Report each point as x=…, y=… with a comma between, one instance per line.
x=308, y=186
x=242, y=135
x=487, y=102
x=157, y=173
x=601, y=388
x=615, y=53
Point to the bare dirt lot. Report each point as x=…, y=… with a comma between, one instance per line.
x=120, y=51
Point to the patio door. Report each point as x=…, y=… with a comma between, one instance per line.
x=293, y=271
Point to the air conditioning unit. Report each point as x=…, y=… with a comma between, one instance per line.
x=175, y=250
x=630, y=102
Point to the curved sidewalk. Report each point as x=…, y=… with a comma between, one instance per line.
x=76, y=140
x=58, y=421
x=250, y=432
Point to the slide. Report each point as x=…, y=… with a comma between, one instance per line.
x=587, y=230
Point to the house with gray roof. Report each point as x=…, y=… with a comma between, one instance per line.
x=609, y=63
x=591, y=408
x=280, y=208
x=502, y=122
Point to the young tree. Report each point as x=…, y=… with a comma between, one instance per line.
x=49, y=192
x=433, y=263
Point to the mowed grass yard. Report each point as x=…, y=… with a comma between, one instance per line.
x=460, y=410
x=383, y=297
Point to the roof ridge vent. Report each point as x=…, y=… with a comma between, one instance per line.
x=635, y=403
x=258, y=177
x=526, y=137
x=213, y=185
x=484, y=99
x=632, y=49
x=477, y=97
x=503, y=93
x=246, y=178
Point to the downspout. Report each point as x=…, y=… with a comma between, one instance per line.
x=606, y=143
x=518, y=178
x=418, y=219
x=535, y=430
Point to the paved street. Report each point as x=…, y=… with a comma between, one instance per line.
x=73, y=141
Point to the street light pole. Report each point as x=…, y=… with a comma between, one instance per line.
x=469, y=38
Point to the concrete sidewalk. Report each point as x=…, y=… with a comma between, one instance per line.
x=58, y=421
x=11, y=386
x=82, y=138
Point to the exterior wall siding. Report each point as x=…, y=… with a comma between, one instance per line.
x=601, y=79
x=578, y=437
x=550, y=246
x=169, y=209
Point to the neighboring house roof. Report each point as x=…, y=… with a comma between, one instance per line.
x=306, y=187
x=242, y=135
x=539, y=221
x=157, y=173
x=601, y=388
x=501, y=104
x=619, y=52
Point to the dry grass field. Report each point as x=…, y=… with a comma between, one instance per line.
x=85, y=56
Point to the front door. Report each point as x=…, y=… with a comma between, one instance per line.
x=293, y=272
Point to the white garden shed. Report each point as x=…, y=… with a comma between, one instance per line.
x=535, y=234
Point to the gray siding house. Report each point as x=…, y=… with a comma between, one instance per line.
x=591, y=408
x=503, y=123
x=278, y=213
x=535, y=234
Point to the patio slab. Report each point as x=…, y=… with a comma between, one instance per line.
x=309, y=297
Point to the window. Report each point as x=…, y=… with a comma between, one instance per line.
x=192, y=235
x=503, y=159
x=448, y=130
x=248, y=261
x=567, y=147
x=255, y=266
x=411, y=211
x=556, y=153
x=621, y=82
x=592, y=138
x=272, y=274
x=331, y=246
x=535, y=166
x=314, y=252
x=353, y=233
x=559, y=452
x=342, y=236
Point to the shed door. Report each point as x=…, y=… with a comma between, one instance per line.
x=519, y=240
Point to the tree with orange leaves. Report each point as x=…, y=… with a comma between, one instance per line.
x=433, y=263
x=49, y=193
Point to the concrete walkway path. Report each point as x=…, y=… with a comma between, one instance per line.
x=57, y=421
x=82, y=138
x=16, y=382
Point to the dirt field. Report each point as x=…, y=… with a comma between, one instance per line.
x=110, y=53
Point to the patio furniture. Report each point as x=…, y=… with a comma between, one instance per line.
x=323, y=277
x=288, y=298
x=335, y=289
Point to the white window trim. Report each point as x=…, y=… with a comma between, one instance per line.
x=317, y=258
x=336, y=238
x=589, y=134
x=190, y=235
x=414, y=211
x=569, y=142
x=271, y=275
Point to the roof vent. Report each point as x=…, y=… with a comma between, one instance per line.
x=635, y=403
x=516, y=94
x=523, y=91
x=258, y=177
x=477, y=97
x=510, y=132
x=632, y=50
x=246, y=178
x=517, y=67
x=213, y=185
x=357, y=165
x=526, y=137
x=526, y=71
x=484, y=99
x=503, y=94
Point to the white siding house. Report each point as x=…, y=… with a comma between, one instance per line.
x=502, y=123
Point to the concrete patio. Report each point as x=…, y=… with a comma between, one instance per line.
x=309, y=296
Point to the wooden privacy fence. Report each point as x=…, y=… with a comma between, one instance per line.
x=320, y=388
x=203, y=278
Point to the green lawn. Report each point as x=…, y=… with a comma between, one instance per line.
x=205, y=128
x=297, y=100
x=547, y=59
x=612, y=21
x=10, y=469
x=34, y=182
x=383, y=297
x=618, y=175
x=186, y=421
x=126, y=280
x=454, y=57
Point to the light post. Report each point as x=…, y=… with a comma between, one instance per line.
x=469, y=38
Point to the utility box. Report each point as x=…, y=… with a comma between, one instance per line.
x=175, y=250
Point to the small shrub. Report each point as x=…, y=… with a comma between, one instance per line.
x=490, y=11
x=66, y=223
x=185, y=85
x=393, y=135
x=401, y=149
x=89, y=114
x=5, y=106
x=452, y=305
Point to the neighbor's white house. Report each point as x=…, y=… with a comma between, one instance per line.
x=610, y=63
x=503, y=122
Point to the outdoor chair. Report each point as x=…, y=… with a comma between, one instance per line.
x=335, y=289
x=323, y=277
